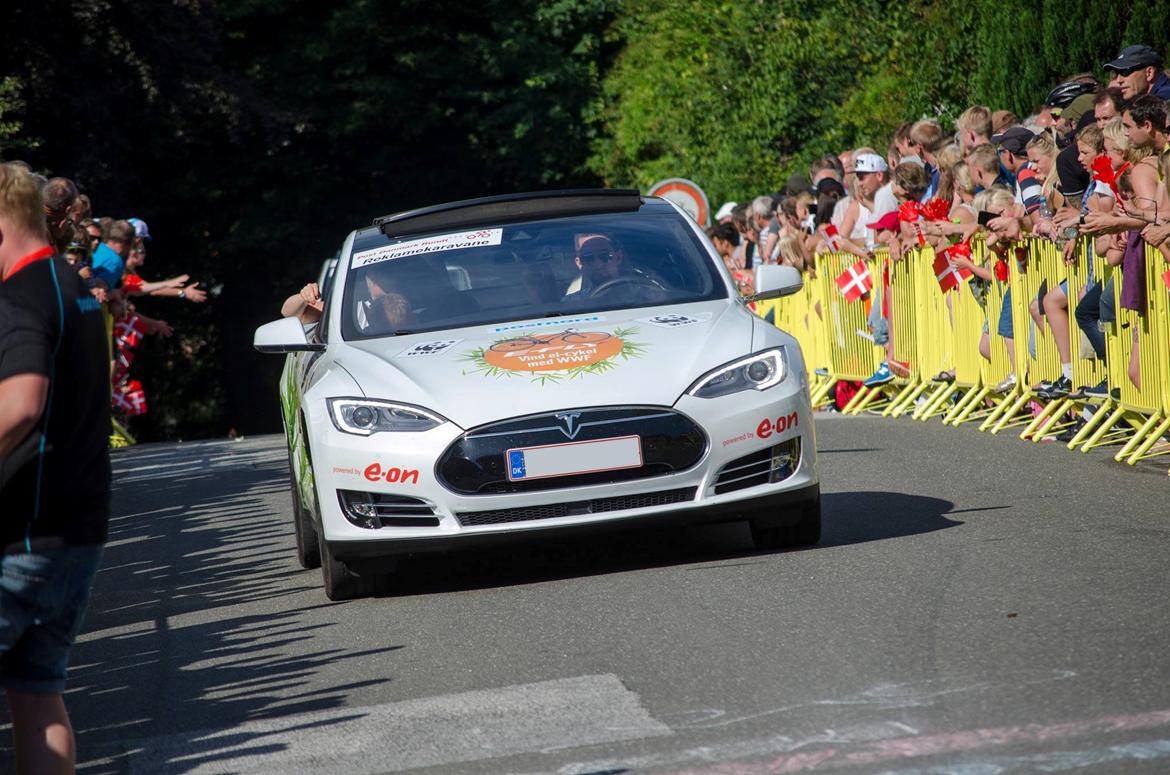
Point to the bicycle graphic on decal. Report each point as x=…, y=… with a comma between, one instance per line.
x=568, y=336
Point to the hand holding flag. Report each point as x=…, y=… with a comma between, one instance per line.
x=948, y=275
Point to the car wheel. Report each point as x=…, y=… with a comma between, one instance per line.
x=340, y=582
x=308, y=552
x=806, y=532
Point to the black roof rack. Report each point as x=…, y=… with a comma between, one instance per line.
x=509, y=208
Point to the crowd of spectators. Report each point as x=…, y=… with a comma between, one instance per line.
x=109, y=254
x=1090, y=160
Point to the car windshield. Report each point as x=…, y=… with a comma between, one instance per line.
x=520, y=271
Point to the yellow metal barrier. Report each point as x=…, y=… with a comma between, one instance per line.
x=933, y=332
x=852, y=355
x=976, y=309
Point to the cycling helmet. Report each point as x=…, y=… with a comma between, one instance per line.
x=1066, y=92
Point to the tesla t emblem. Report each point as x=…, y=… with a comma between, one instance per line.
x=569, y=421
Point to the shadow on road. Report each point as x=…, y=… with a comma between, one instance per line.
x=202, y=620
x=192, y=621
x=849, y=518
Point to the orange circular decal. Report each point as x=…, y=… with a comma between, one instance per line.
x=557, y=352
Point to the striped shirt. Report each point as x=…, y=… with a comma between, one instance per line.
x=1029, y=188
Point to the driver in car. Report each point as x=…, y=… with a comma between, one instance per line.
x=603, y=266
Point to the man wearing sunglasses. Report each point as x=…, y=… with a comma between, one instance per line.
x=599, y=260
x=1137, y=71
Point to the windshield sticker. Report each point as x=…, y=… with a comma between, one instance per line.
x=437, y=244
x=672, y=321
x=547, y=323
x=429, y=348
x=545, y=357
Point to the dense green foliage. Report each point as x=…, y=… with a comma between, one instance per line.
x=739, y=95
x=254, y=134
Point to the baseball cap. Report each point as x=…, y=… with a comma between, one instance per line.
x=1135, y=56
x=888, y=222
x=140, y=227
x=1077, y=108
x=870, y=162
x=725, y=210
x=1015, y=139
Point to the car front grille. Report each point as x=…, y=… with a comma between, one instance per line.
x=576, y=508
x=774, y=464
x=475, y=463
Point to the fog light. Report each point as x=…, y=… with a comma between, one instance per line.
x=785, y=460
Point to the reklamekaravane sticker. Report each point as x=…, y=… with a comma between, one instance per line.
x=549, y=357
x=437, y=244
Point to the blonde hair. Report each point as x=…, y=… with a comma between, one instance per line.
x=1093, y=137
x=791, y=253
x=976, y=118
x=985, y=157
x=1046, y=145
x=1114, y=132
x=20, y=200
x=961, y=179
x=948, y=157
x=996, y=196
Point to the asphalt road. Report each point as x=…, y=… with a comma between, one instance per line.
x=978, y=605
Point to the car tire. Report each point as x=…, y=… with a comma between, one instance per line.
x=308, y=550
x=340, y=582
x=806, y=532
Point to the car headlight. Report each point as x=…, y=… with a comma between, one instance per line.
x=755, y=372
x=365, y=416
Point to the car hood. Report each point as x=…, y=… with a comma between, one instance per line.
x=476, y=375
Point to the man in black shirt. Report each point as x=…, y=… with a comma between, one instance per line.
x=54, y=471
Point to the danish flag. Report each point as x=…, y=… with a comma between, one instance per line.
x=949, y=276
x=831, y=235
x=855, y=281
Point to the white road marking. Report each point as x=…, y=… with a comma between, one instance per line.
x=434, y=731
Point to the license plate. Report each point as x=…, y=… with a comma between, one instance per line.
x=574, y=457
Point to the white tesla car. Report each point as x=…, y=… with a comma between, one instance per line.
x=537, y=362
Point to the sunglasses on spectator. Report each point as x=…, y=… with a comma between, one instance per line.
x=592, y=256
x=1124, y=73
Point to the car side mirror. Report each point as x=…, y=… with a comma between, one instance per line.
x=774, y=281
x=286, y=335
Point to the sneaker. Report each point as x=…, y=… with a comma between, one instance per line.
x=1100, y=390
x=900, y=368
x=880, y=377
x=1008, y=384
x=1058, y=388
x=822, y=372
x=1067, y=434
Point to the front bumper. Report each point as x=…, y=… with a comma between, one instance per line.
x=403, y=465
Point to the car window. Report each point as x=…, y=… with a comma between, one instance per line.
x=525, y=270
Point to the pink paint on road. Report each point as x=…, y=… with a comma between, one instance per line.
x=918, y=746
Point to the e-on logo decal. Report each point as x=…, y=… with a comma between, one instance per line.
x=375, y=472
x=766, y=428
x=554, y=356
